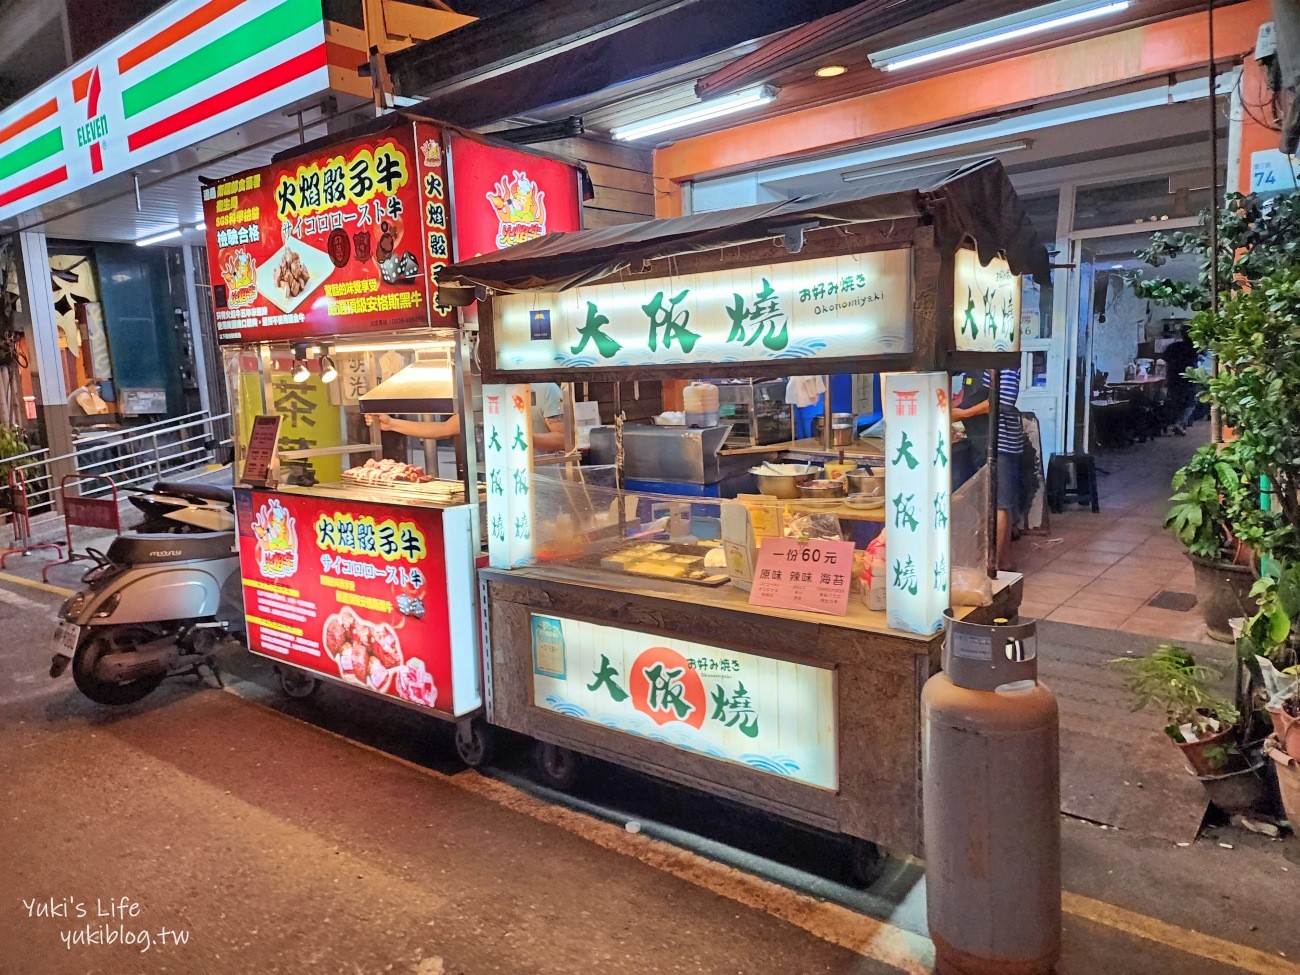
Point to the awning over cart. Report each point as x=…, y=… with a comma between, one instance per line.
x=976, y=203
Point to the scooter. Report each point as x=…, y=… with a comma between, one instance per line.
x=160, y=603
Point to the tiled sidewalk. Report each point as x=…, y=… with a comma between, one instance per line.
x=1102, y=570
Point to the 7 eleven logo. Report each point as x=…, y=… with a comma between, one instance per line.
x=87, y=89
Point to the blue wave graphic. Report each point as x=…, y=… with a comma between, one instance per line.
x=562, y=706
x=776, y=764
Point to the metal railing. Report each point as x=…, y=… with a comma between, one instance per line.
x=174, y=449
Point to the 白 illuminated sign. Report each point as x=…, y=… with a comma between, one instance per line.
x=850, y=306
x=986, y=305
x=775, y=716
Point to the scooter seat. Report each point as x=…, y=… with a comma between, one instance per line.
x=143, y=548
x=200, y=492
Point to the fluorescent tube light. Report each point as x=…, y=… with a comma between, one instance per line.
x=908, y=164
x=702, y=112
x=158, y=238
x=1036, y=21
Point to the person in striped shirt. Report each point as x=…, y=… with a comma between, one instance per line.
x=974, y=414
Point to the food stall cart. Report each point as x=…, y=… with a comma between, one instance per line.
x=605, y=639
x=351, y=381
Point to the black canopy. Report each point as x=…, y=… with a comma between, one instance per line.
x=976, y=203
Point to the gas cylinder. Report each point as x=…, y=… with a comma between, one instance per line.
x=991, y=804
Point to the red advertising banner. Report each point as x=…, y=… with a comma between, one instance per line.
x=503, y=196
x=340, y=241
x=351, y=590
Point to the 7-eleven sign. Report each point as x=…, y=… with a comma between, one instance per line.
x=86, y=91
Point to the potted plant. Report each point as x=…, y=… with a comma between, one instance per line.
x=1208, y=491
x=1203, y=724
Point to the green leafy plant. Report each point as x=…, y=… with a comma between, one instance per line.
x=1171, y=680
x=1207, y=491
x=12, y=444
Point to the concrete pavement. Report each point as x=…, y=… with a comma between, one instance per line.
x=341, y=835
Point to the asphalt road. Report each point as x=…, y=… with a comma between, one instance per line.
x=342, y=835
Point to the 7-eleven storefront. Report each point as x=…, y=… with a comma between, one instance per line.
x=1106, y=138
x=99, y=191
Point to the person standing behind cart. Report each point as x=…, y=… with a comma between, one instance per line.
x=974, y=415
x=548, y=421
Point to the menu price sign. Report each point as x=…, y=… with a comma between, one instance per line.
x=813, y=576
x=262, y=443
x=354, y=591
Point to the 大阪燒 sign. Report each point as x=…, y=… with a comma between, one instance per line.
x=848, y=306
x=775, y=716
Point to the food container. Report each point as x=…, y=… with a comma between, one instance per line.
x=860, y=482
x=783, y=480
x=842, y=435
x=823, y=489
x=701, y=403
x=837, y=420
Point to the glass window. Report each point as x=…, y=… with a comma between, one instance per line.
x=1148, y=200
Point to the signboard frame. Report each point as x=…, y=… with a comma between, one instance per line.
x=769, y=369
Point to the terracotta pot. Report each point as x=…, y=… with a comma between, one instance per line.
x=1200, y=765
x=1223, y=591
x=1287, y=731
x=1288, y=781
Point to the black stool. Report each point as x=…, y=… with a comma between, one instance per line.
x=1066, y=469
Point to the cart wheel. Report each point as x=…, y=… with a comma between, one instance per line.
x=867, y=862
x=296, y=684
x=557, y=768
x=475, y=742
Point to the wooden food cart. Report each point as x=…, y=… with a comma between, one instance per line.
x=807, y=714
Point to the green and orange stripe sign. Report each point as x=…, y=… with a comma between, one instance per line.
x=190, y=71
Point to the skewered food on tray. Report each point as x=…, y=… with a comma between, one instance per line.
x=385, y=472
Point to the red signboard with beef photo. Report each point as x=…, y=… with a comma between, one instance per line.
x=351, y=590
x=338, y=241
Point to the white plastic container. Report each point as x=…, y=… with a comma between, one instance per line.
x=701, y=403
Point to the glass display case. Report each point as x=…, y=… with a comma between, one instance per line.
x=381, y=415
x=757, y=411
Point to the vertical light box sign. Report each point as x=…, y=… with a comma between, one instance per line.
x=495, y=439
x=986, y=305
x=517, y=409
x=918, y=455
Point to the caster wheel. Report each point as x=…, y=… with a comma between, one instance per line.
x=557, y=768
x=475, y=742
x=296, y=684
x=867, y=862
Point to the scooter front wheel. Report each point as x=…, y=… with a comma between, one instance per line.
x=103, y=641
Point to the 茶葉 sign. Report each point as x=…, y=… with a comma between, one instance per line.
x=849, y=306
x=193, y=69
x=772, y=715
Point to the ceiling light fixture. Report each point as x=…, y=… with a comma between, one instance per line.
x=201, y=226
x=830, y=71
x=158, y=238
x=1036, y=21
x=907, y=165
x=703, y=111
x=328, y=372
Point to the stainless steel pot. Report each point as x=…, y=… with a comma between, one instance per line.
x=823, y=489
x=860, y=482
